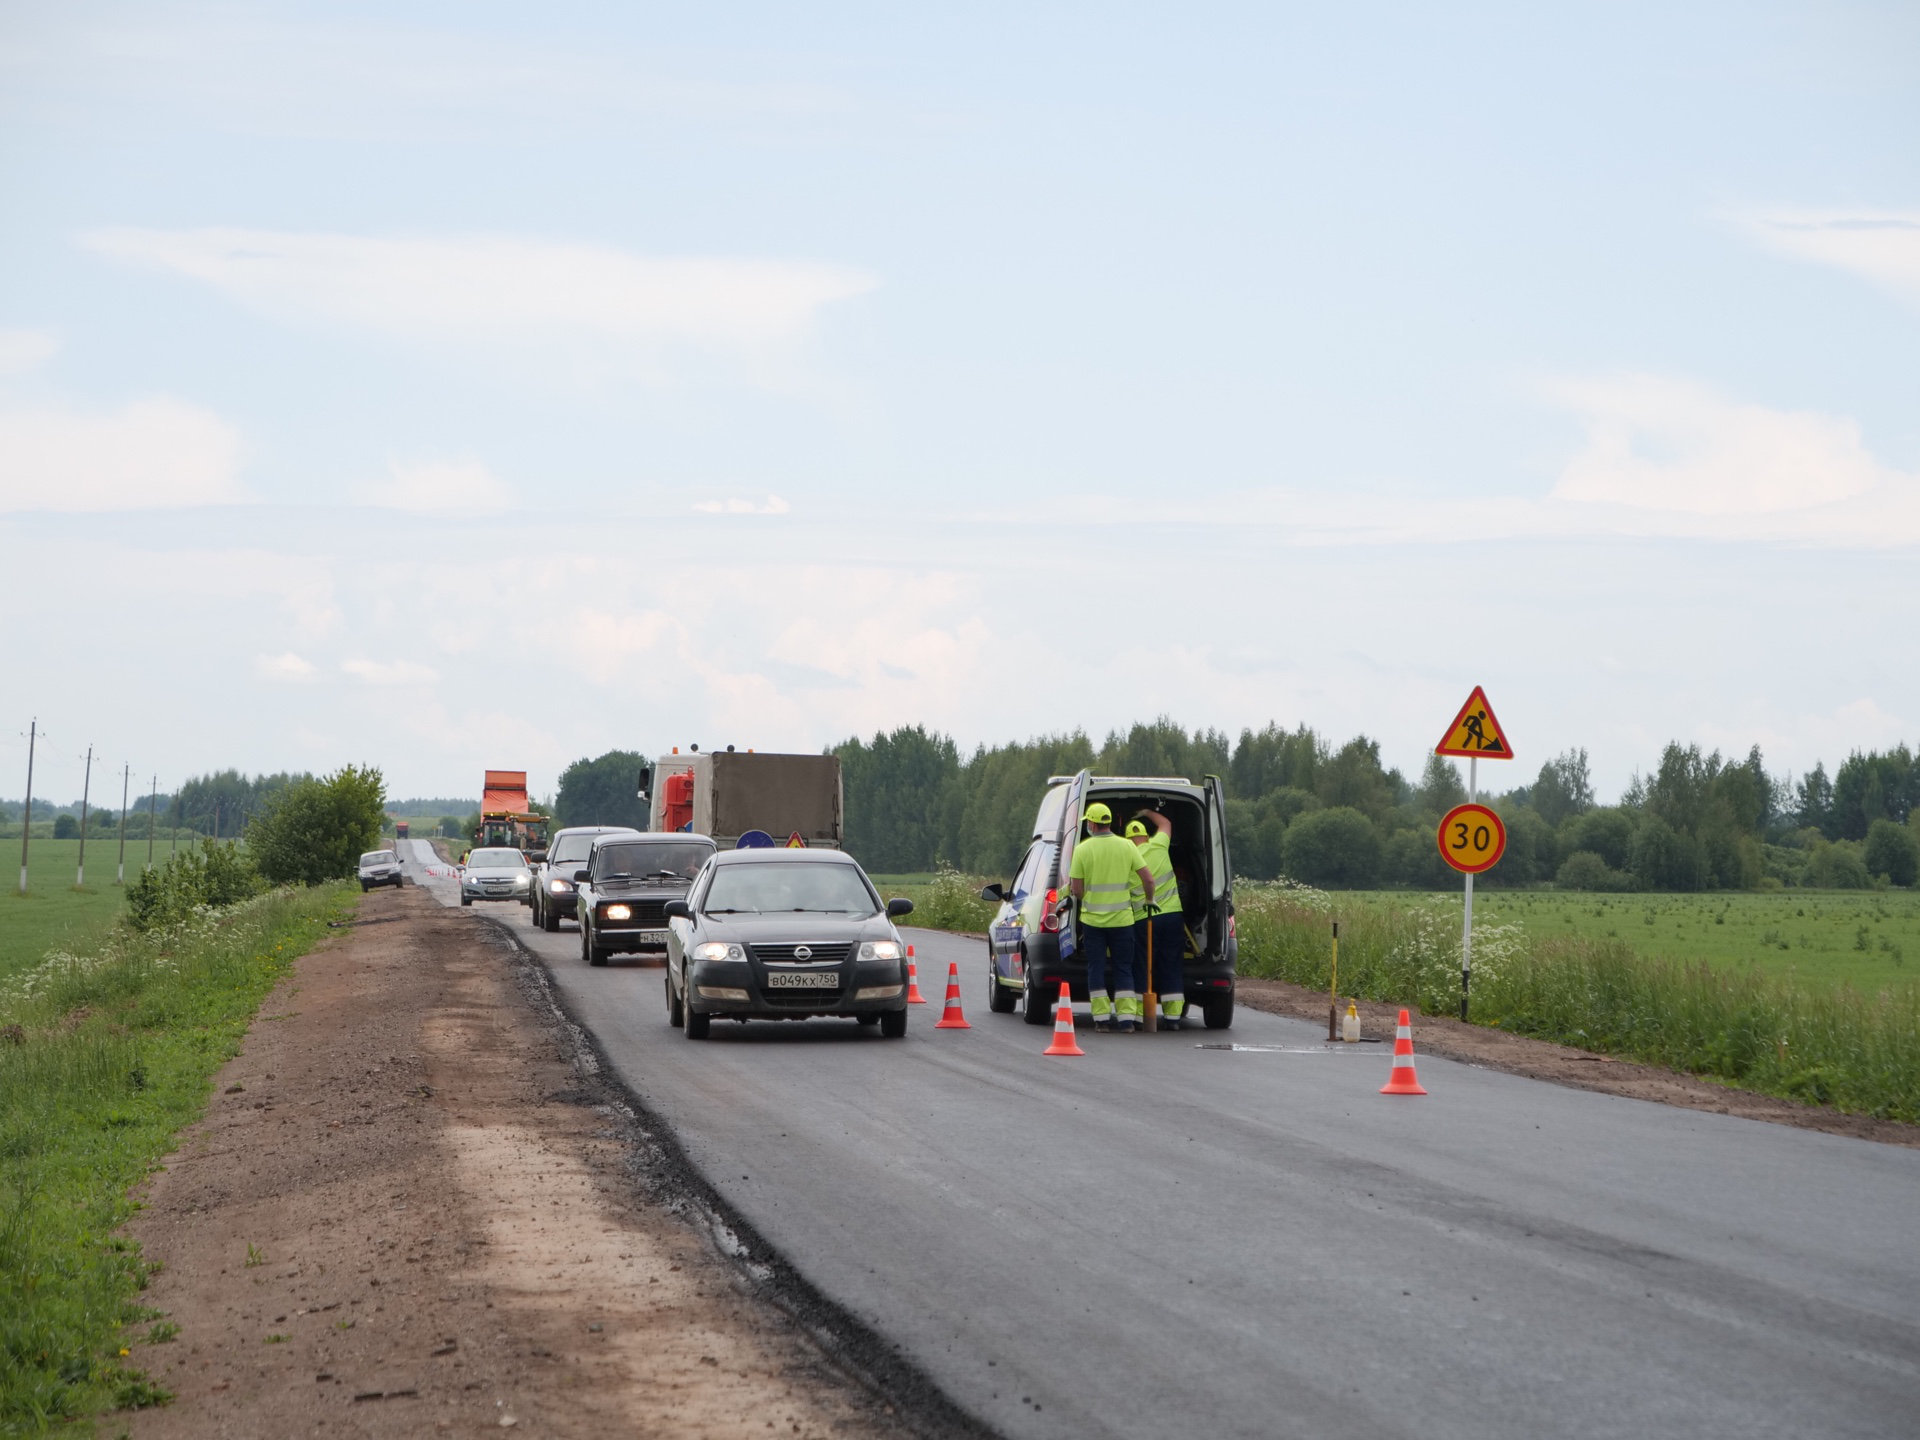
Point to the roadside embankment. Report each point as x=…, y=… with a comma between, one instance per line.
x=104, y=1055
x=407, y=1213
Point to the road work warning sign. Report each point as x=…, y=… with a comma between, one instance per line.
x=1475, y=733
x=794, y=842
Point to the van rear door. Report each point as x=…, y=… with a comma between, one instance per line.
x=1069, y=837
x=1220, y=868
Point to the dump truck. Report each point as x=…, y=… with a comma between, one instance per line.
x=506, y=816
x=730, y=794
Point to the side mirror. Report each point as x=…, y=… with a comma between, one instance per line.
x=645, y=782
x=536, y=857
x=899, y=906
x=580, y=877
x=678, y=910
x=995, y=893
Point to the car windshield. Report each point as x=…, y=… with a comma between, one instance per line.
x=783, y=885
x=496, y=860
x=377, y=857
x=570, y=847
x=654, y=859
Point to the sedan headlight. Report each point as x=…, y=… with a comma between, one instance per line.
x=560, y=887
x=880, y=950
x=521, y=882
x=618, y=912
x=718, y=950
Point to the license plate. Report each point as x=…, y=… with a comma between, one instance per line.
x=651, y=937
x=803, y=980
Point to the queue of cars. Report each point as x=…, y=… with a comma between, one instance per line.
x=776, y=933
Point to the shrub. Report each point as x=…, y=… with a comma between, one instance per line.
x=65, y=827
x=1892, y=851
x=316, y=830
x=212, y=875
x=1333, y=847
x=952, y=902
x=1837, y=866
x=1584, y=870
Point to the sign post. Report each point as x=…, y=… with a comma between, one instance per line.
x=1472, y=837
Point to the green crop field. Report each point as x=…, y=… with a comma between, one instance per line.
x=52, y=915
x=1865, y=939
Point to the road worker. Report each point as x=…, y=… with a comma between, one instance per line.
x=1158, y=906
x=1101, y=878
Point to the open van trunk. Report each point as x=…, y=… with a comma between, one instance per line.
x=1190, y=851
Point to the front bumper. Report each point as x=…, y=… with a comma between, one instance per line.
x=738, y=989
x=489, y=892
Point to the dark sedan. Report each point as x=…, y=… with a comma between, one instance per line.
x=622, y=892
x=784, y=935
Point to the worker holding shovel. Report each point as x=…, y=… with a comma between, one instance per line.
x=1160, y=926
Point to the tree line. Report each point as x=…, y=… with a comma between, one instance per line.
x=1335, y=816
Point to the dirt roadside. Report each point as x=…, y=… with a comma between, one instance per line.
x=407, y=1213
x=1565, y=1065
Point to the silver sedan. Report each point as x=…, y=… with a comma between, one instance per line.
x=496, y=873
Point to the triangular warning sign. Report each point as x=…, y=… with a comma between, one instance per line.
x=1475, y=732
x=794, y=842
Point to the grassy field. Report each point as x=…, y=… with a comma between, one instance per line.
x=52, y=914
x=106, y=1050
x=1860, y=938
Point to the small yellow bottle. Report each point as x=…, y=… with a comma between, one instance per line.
x=1350, y=1025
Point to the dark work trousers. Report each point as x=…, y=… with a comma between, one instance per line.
x=1109, y=952
x=1169, y=950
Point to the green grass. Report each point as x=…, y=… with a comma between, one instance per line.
x=946, y=901
x=53, y=915
x=1866, y=939
x=105, y=1052
x=1765, y=1027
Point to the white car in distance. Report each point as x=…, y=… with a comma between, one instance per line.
x=496, y=873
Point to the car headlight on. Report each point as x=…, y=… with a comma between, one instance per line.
x=560, y=887
x=718, y=950
x=880, y=950
x=618, y=912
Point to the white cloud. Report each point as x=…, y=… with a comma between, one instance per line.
x=288, y=667
x=1880, y=246
x=498, y=289
x=390, y=672
x=1672, y=445
x=460, y=486
x=22, y=351
x=772, y=505
x=148, y=455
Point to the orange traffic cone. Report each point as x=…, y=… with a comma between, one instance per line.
x=914, y=997
x=952, y=1019
x=1403, y=1081
x=1063, y=1041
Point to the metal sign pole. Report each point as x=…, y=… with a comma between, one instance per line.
x=1466, y=929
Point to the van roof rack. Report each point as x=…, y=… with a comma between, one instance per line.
x=1124, y=779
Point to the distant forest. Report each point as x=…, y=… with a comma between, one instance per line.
x=1333, y=816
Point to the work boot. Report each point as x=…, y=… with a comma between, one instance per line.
x=1105, y=1027
x=1125, y=1027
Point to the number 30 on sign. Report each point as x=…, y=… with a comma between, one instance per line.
x=1472, y=838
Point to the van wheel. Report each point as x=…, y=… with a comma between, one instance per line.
x=1000, y=999
x=1037, y=1012
x=675, y=1017
x=893, y=1024
x=1218, y=1011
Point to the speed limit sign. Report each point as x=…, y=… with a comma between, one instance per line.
x=1472, y=838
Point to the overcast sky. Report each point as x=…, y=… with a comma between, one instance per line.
x=445, y=386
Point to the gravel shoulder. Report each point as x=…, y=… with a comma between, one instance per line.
x=1566, y=1065
x=407, y=1211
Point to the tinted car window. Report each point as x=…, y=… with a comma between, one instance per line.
x=680, y=859
x=571, y=847
x=774, y=886
x=1036, y=870
x=496, y=859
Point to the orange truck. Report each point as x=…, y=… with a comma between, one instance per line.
x=507, y=817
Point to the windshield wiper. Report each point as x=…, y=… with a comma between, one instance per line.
x=665, y=874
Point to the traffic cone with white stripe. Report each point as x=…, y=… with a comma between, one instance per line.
x=914, y=997
x=1063, y=1041
x=1403, y=1081
x=952, y=1019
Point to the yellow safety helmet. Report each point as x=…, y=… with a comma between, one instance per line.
x=1099, y=814
x=1135, y=829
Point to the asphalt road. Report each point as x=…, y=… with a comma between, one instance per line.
x=1168, y=1238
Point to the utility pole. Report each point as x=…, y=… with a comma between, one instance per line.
x=26, y=816
x=126, y=775
x=153, y=805
x=80, y=875
x=173, y=811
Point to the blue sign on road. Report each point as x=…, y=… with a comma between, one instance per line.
x=755, y=840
